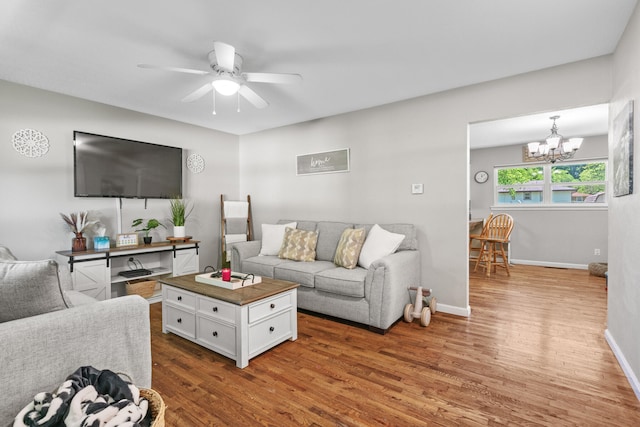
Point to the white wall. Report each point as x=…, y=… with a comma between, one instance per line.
x=35, y=190
x=556, y=238
x=623, y=319
x=423, y=140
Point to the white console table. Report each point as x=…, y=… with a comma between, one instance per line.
x=95, y=273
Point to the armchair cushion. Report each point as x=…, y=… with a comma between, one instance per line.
x=29, y=288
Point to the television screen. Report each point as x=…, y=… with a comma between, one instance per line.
x=105, y=166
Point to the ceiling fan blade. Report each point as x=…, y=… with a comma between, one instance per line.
x=225, y=55
x=176, y=69
x=255, y=99
x=272, y=78
x=198, y=93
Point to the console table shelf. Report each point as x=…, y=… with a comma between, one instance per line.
x=95, y=273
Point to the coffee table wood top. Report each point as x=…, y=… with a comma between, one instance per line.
x=241, y=296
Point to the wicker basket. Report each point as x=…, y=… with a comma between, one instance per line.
x=156, y=406
x=143, y=288
x=598, y=268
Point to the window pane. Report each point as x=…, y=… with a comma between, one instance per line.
x=520, y=194
x=591, y=174
x=507, y=176
x=520, y=185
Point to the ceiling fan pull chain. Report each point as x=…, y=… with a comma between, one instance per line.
x=214, y=102
x=238, y=101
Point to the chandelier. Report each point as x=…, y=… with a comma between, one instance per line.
x=554, y=147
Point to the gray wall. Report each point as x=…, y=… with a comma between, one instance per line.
x=556, y=238
x=423, y=140
x=35, y=190
x=623, y=319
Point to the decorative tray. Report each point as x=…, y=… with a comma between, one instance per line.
x=235, y=283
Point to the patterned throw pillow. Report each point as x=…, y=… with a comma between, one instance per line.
x=349, y=247
x=299, y=245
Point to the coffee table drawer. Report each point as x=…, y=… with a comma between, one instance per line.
x=181, y=321
x=217, y=309
x=218, y=335
x=266, y=334
x=269, y=306
x=178, y=296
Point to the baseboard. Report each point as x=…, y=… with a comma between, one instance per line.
x=628, y=372
x=550, y=264
x=452, y=309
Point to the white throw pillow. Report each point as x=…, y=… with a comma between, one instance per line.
x=379, y=243
x=272, y=236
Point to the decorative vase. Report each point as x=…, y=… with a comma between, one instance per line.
x=79, y=243
x=178, y=231
x=147, y=240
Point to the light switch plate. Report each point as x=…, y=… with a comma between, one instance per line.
x=417, y=188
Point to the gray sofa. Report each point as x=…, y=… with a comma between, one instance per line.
x=39, y=352
x=375, y=297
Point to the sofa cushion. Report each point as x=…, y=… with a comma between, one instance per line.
x=329, y=234
x=301, y=225
x=349, y=247
x=299, y=245
x=379, y=243
x=272, y=236
x=261, y=265
x=410, y=241
x=29, y=288
x=342, y=281
x=301, y=272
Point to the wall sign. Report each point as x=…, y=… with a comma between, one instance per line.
x=324, y=162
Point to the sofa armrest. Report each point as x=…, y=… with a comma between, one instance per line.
x=243, y=250
x=40, y=352
x=392, y=275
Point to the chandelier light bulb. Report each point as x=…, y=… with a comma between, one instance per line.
x=225, y=87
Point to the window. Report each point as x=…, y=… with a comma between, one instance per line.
x=549, y=184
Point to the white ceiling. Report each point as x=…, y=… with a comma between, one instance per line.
x=352, y=54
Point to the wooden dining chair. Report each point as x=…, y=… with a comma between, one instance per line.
x=474, y=251
x=492, y=253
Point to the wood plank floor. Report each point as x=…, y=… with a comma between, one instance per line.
x=531, y=353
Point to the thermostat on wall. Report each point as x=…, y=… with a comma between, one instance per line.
x=417, y=188
x=129, y=239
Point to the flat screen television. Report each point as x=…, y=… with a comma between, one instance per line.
x=105, y=166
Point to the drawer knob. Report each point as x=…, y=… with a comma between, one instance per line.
x=215, y=309
x=215, y=333
x=272, y=306
x=271, y=329
x=179, y=298
x=179, y=319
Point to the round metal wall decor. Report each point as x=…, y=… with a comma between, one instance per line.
x=195, y=163
x=30, y=143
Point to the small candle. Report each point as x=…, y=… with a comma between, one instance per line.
x=226, y=274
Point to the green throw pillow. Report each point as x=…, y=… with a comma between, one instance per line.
x=349, y=248
x=299, y=245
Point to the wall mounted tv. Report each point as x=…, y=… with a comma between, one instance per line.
x=105, y=166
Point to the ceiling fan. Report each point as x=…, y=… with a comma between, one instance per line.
x=228, y=77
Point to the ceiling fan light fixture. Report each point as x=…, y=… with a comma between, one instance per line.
x=225, y=87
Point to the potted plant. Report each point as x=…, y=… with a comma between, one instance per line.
x=150, y=225
x=180, y=211
x=78, y=222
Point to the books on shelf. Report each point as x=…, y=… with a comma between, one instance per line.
x=238, y=280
